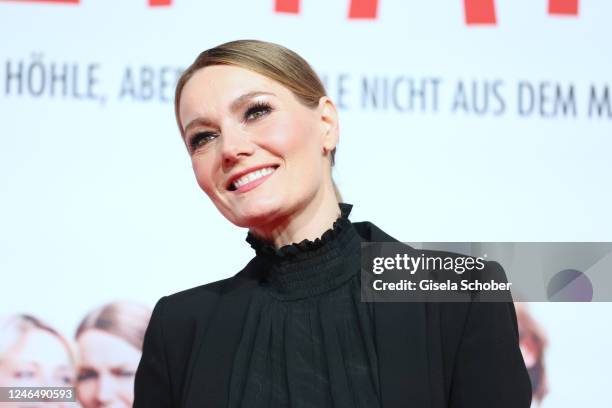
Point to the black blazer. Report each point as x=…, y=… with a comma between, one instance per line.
x=430, y=355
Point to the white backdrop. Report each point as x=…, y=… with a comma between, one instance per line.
x=449, y=132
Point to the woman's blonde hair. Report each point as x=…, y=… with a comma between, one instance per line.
x=125, y=320
x=268, y=59
x=12, y=328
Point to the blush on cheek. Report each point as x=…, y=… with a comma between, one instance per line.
x=85, y=392
x=286, y=136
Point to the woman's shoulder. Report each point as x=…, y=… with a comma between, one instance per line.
x=181, y=317
x=205, y=296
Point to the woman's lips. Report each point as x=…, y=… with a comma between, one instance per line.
x=253, y=179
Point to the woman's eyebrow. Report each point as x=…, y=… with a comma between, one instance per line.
x=234, y=106
x=242, y=99
x=198, y=122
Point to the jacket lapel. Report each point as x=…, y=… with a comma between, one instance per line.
x=208, y=383
x=402, y=354
x=401, y=344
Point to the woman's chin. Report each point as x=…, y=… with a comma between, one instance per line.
x=255, y=215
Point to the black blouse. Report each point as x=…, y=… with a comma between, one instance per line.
x=308, y=339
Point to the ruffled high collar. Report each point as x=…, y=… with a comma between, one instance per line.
x=262, y=247
x=310, y=267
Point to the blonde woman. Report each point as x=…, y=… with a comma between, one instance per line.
x=109, y=341
x=290, y=330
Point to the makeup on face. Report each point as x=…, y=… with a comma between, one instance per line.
x=255, y=149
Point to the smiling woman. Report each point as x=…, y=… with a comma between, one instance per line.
x=290, y=329
x=109, y=341
x=247, y=129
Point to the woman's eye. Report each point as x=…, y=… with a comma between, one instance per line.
x=85, y=375
x=122, y=372
x=66, y=380
x=200, y=139
x=256, y=111
x=22, y=374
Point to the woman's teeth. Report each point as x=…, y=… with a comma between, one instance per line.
x=254, y=175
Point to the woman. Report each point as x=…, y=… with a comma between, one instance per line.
x=109, y=341
x=290, y=330
x=32, y=354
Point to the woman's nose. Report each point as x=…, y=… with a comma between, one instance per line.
x=106, y=389
x=235, y=145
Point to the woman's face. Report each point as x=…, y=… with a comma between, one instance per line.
x=107, y=369
x=38, y=359
x=256, y=151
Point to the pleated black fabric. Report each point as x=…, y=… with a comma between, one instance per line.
x=308, y=340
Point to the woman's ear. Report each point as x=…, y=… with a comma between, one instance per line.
x=329, y=123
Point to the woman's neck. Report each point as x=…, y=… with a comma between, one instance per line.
x=308, y=222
